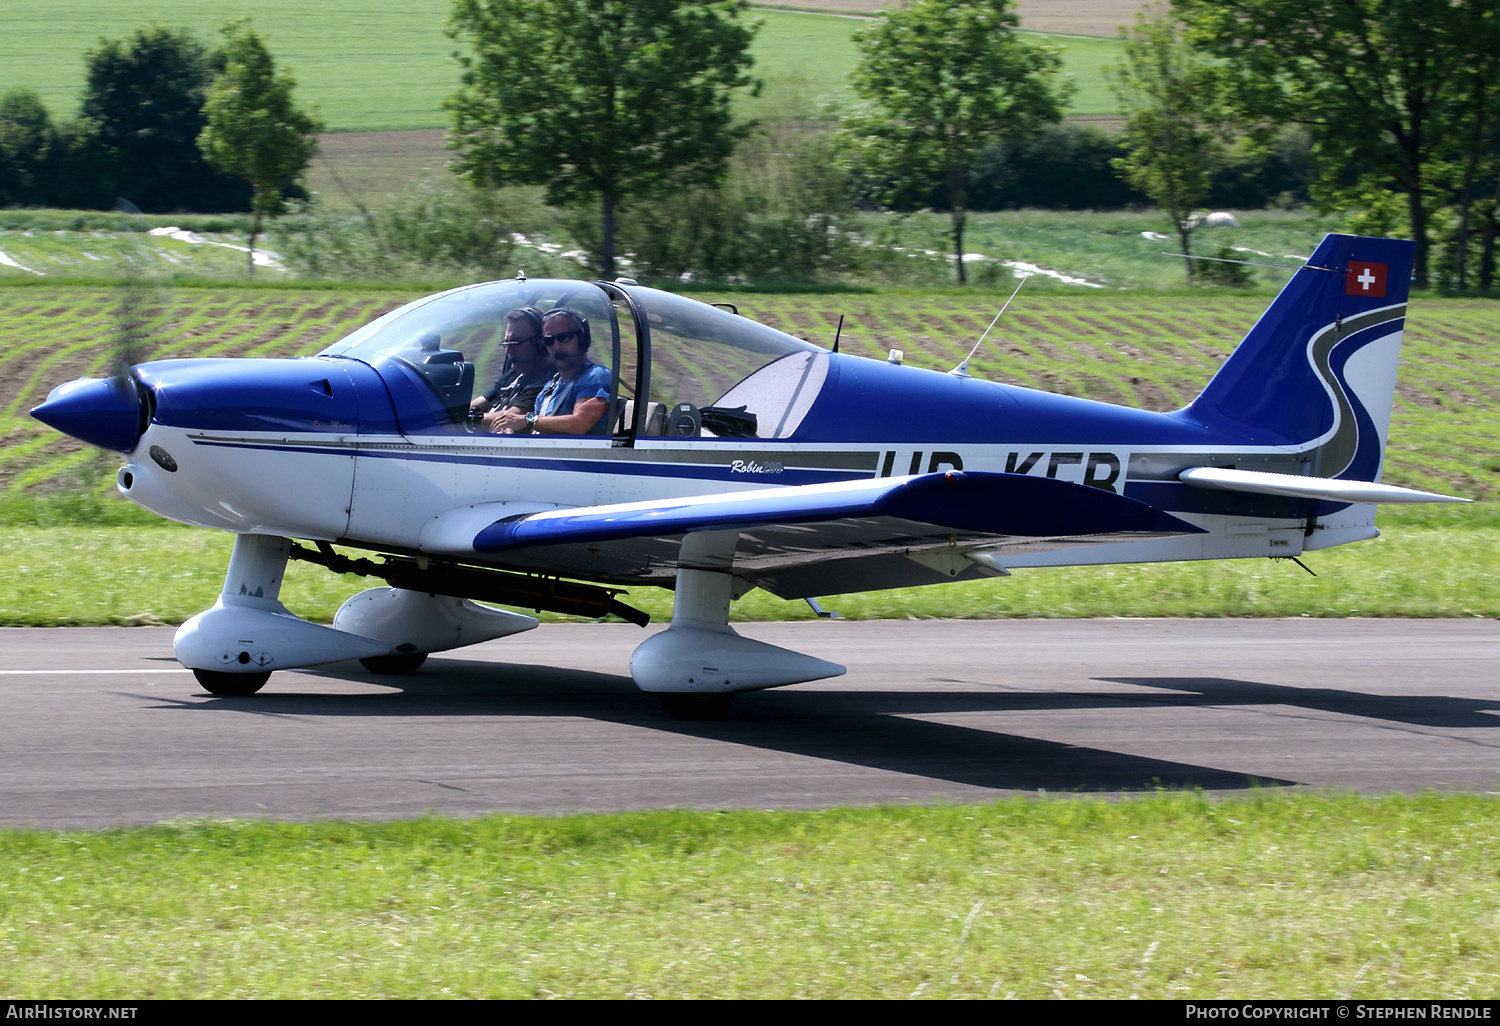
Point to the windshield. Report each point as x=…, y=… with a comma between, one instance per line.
x=712, y=373
x=438, y=355
x=469, y=321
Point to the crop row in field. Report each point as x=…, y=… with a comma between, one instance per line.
x=1145, y=351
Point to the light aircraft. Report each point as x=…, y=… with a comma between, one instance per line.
x=732, y=456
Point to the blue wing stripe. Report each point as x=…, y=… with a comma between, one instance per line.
x=1011, y=505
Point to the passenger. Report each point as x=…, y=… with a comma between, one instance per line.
x=527, y=368
x=575, y=400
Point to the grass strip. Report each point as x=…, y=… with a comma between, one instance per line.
x=1166, y=895
x=68, y=576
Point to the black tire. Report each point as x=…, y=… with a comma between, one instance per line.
x=399, y=663
x=216, y=682
x=697, y=707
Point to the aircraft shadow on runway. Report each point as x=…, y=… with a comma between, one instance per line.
x=1416, y=710
x=874, y=729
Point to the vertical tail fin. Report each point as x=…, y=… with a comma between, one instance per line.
x=1318, y=370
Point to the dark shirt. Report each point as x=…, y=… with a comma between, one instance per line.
x=518, y=390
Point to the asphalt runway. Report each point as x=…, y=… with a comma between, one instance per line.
x=101, y=726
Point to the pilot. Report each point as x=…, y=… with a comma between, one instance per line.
x=575, y=400
x=527, y=368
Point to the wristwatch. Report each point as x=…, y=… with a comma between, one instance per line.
x=531, y=421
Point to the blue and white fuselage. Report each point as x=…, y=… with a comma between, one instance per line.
x=733, y=456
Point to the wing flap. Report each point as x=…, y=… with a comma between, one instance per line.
x=1005, y=505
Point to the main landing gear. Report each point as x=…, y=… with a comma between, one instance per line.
x=229, y=685
x=698, y=664
x=697, y=707
x=397, y=665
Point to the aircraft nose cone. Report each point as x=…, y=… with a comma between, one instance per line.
x=107, y=412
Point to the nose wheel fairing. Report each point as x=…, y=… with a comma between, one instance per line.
x=249, y=633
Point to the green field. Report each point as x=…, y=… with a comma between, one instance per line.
x=366, y=66
x=1162, y=896
x=384, y=65
x=1425, y=564
x=378, y=73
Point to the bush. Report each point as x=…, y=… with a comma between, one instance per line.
x=1217, y=272
x=782, y=217
x=460, y=231
x=1065, y=167
x=1069, y=167
x=465, y=228
x=318, y=243
x=1276, y=174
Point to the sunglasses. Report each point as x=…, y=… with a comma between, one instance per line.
x=562, y=336
x=518, y=341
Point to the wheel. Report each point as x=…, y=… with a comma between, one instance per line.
x=399, y=663
x=697, y=707
x=216, y=682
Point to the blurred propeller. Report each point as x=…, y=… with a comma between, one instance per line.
x=112, y=412
x=132, y=332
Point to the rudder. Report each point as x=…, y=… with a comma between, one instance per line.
x=1318, y=370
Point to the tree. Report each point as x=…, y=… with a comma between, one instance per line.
x=254, y=130
x=941, y=80
x=1474, y=151
x=28, y=149
x=598, y=100
x=1166, y=94
x=142, y=111
x=1379, y=83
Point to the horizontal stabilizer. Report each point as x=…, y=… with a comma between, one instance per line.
x=1010, y=505
x=1258, y=482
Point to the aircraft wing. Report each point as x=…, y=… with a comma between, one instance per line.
x=819, y=539
x=984, y=503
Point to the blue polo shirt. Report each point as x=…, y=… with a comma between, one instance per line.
x=559, y=396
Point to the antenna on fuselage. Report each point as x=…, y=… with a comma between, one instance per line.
x=1247, y=263
x=837, y=332
x=962, y=370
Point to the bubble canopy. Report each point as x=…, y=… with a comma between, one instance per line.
x=678, y=368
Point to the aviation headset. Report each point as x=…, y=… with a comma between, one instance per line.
x=578, y=319
x=533, y=318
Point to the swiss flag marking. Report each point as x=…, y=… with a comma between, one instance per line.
x=1365, y=279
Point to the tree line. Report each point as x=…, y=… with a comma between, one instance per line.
x=1400, y=99
x=1386, y=110
x=165, y=124
x=1398, y=102
x=1395, y=102
x=627, y=106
